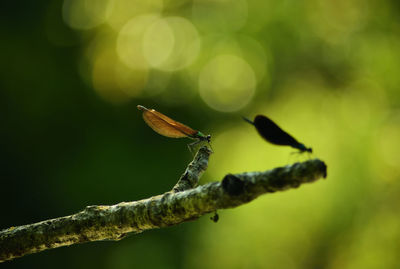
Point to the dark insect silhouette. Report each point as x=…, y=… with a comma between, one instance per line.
x=271, y=132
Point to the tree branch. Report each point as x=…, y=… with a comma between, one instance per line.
x=171, y=208
x=194, y=171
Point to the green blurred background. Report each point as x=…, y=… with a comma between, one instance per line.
x=73, y=71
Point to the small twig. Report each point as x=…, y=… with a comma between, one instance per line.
x=194, y=171
x=116, y=221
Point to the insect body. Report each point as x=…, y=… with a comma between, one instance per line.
x=271, y=132
x=170, y=128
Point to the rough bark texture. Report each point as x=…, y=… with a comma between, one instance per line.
x=171, y=208
x=194, y=171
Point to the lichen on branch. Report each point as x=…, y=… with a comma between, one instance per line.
x=182, y=204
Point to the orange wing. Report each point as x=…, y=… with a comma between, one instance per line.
x=164, y=125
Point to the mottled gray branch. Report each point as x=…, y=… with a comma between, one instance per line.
x=116, y=221
x=194, y=171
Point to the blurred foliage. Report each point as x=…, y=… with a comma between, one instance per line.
x=73, y=71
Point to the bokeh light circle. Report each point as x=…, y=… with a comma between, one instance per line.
x=335, y=21
x=227, y=83
x=171, y=43
x=158, y=42
x=85, y=14
x=220, y=16
x=121, y=11
x=130, y=41
x=104, y=78
x=246, y=47
x=388, y=142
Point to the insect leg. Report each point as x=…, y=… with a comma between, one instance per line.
x=209, y=144
x=192, y=145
